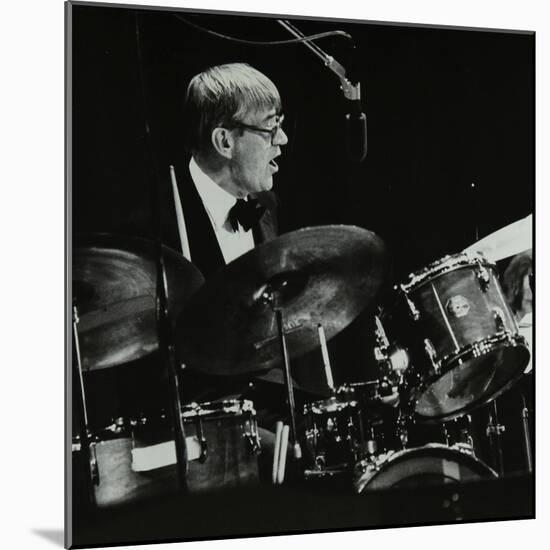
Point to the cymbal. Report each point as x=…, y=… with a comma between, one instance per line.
x=114, y=289
x=507, y=241
x=326, y=275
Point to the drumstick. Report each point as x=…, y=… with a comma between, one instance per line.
x=182, y=229
x=282, y=454
x=278, y=434
x=324, y=353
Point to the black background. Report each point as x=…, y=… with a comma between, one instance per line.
x=445, y=108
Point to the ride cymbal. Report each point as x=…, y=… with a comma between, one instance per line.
x=319, y=275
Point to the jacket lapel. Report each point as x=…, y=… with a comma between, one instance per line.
x=203, y=244
x=266, y=228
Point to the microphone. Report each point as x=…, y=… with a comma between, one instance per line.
x=356, y=129
x=356, y=121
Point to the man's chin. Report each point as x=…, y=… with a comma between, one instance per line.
x=262, y=187
x=267, y=184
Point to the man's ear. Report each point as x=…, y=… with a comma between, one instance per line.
x=223, y=142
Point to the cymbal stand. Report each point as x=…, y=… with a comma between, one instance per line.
x=525, y=409
x=526, y=434
x=79, y=403
x=164, y=325
x=494, y=432
x=271, y=297
x=166, y=347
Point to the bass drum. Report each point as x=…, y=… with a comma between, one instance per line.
x=433, y=464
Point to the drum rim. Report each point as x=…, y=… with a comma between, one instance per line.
x=393, y=456
x=308, y=407
x=442, y=266
x=225, y=407
x=478, y=348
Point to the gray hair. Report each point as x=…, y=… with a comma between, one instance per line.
x=223, y=95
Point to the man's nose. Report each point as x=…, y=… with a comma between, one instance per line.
x=281, y=138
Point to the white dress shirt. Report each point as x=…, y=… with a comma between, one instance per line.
x=217, y=203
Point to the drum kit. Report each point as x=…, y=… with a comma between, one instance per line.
x=447, y=343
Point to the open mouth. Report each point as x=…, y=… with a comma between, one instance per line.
x=273, y=164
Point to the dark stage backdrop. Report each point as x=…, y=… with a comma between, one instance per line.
x=445, y=108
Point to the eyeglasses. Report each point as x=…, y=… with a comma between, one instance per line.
x=271, y=131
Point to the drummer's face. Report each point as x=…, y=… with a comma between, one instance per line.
x=253, y=165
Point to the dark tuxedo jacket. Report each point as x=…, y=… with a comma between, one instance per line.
x=208, y=258
x=203, y=244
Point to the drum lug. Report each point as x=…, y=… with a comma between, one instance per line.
x=253, y=442
x=94, y=468
x=402, y=430
x=312, y=435
x=499, y=319
x=202, y=442
x=431, y=353
x=371, y=447
x=413, y=311
x=482, y=276
x=320, y=462
x=466, y=448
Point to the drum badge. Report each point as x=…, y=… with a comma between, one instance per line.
x=458, y=306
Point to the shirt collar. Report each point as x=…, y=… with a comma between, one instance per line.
x=216, y=200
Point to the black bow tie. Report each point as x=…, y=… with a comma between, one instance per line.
x=247, y=213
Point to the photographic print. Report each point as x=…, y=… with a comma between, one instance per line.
x=301, y=290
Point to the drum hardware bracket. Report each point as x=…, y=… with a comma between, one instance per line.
x=499, y=319
x=431, y=353
x=495, y=429
x=253, y=441
x=202, y=442
x=482, y=276
x=526, y=435
x=465, y=448
x=415, y=314
x=94, y=468
x=494, y=433
x=371, y=447
x=402, y=431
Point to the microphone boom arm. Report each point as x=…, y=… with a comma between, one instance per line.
x=351, y=91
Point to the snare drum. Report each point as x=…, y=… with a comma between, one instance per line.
x=433, y=464
x=334, y=436
x=462, y=337
x=120, y=472
x=132, y=460
x=223, y=444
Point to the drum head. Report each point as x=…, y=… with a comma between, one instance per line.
x=472, y=381
x=433, y=464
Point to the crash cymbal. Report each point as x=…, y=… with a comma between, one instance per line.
x=114, y=289
x=507, y=241
x=326, y=275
